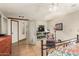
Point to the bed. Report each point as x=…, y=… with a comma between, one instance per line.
x=65, y=48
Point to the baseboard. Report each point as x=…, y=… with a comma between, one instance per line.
x=15, y=43
x=22, y=39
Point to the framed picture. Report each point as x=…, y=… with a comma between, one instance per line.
x=59, y=26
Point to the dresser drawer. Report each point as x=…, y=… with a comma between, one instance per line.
x=5, y=46
x=6, y=50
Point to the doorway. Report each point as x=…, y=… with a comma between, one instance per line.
x=15, y=31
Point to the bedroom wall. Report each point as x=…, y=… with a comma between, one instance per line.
x=70, y=26
x=32, y=32
x=22, y=24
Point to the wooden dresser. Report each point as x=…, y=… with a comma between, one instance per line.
x=5, y=45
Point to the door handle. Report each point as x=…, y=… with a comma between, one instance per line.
x=12, y=33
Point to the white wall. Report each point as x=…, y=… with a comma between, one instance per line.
x=32, y=32
x=21, y=25
x=70, y=26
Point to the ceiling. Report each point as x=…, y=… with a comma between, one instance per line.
x=37, y=11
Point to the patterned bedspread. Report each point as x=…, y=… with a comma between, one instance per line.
x=71, y=50
x=60, y=53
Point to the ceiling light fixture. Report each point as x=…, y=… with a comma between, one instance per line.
x=21, y=17
x=53, y=7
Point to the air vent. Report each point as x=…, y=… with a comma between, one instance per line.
x=73, y=5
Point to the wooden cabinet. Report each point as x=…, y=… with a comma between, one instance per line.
x=5, y=45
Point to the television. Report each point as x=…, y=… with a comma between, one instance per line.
x=41, y=28
x=59, y=26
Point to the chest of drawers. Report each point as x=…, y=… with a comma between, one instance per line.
x=5, y=45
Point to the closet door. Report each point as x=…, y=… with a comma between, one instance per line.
x=3, y=25
x=15, y=31
x=0, y=24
